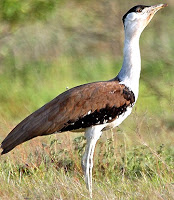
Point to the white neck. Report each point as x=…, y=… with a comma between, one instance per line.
x=130, y=71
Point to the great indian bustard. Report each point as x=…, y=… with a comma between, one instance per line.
x=92, y=107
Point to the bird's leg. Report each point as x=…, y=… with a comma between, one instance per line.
x=91, y=160
x=86, y=166
x=87, y=160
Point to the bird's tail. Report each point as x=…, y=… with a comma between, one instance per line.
x=38, y=123
x=30, y=127
x=17, y=136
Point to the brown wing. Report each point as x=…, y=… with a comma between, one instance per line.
x=79, y=107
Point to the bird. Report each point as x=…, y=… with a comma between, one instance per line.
x=92, y=107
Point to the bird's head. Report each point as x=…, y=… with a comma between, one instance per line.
x=137, y=18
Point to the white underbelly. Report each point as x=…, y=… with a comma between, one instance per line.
x=120, y=119
x=110, y=125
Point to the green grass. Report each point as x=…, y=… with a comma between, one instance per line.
x=50, y=169
x=132, y=162
x=135, y=163
x=28, y=88
x=38, y=82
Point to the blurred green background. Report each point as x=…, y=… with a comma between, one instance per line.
x=47, y=46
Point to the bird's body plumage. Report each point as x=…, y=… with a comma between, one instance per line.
x=78, y=108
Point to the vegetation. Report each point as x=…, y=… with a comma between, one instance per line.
x=52, y=170
x=48, y=48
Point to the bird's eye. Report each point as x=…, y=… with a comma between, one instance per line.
x=139, y=10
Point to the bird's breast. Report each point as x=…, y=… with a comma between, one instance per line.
x=119, y=119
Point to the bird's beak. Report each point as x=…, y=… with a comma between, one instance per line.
x=153, y=9
x=157, y=7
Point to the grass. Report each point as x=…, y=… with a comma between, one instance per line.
x=31, y=85
x=49, y=168
x=134, y=161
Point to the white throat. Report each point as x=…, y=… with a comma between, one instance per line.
x=130, y=71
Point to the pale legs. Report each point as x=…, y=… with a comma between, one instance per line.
x=92, y=135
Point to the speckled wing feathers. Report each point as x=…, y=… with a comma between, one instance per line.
x=79, y=107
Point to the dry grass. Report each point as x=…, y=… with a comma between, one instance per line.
x=127, y=166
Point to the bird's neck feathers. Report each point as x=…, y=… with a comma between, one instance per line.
x=130, y=71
